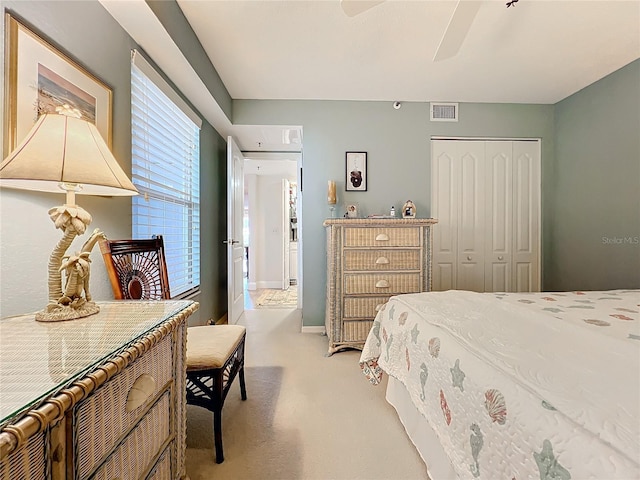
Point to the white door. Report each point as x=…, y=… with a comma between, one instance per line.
x=444, y=207
x=486, y=197
x=286, y=227
x=471, y=216
x=457, y=183
x=234, y=241
x=526, y=217
x=499, y=206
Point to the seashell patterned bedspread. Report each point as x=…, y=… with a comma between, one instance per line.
x=519, y=385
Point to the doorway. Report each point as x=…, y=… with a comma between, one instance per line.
x=272, y=205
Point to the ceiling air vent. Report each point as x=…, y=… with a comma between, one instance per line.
x=444, y=112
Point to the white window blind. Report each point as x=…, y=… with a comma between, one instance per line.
x=165, y=137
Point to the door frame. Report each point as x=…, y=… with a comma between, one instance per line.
x=298, y=158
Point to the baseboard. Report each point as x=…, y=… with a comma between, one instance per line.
x=252, y=286
x=313, y=329
x=221, y=321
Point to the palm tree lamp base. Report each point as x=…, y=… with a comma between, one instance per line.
x=57, y=313
x=70, y=297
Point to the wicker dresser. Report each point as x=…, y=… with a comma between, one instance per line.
x=368, y=261
x=102, y=397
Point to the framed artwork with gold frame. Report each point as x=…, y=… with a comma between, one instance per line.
x=41, y=79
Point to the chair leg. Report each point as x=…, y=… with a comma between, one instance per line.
x=217, y=433
x=243, y=388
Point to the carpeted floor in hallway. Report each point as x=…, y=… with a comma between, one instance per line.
x=307, y=416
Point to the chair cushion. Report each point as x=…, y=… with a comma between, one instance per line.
x=211, y=346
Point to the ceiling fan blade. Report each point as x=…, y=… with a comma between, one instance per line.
x=356, y=7
x=459, y=25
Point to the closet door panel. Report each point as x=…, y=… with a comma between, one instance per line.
x=526, y=217
x=499, y=278
x=471, y=223
x=499, y=216
x=445, y=167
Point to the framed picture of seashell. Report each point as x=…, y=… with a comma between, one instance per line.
x=356, y=172
x=41, y=79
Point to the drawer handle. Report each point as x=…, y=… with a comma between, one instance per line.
x=382, y=284
x=382, y=237
x=382, y=261
x=140, y=391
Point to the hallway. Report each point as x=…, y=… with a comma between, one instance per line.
x=271, y=298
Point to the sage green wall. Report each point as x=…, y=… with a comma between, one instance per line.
x=87, y=32
x=398, y=147
x=595, y=239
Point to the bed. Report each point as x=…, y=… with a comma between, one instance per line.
x=514, y=385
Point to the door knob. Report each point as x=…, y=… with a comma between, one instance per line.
x=469, y=257
x=500, y=257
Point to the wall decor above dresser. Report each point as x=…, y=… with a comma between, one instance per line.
x=368, y=261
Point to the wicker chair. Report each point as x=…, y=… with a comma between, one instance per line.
x=215, y=354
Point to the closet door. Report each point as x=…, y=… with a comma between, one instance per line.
x=499, y=220
x=445, y=165
x=458, y=204
x=526, y=216
x=471, y=216
x=486, y=197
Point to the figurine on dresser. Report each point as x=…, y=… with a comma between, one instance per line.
x=409, y=210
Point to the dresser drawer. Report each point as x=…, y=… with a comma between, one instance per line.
x=362, y=307
x=30, y=461
x=356, y=330
x=134, y=456
x=381, y=283
x=162, y=468
x=382, y=237
x=382, y=260
x=105, y=414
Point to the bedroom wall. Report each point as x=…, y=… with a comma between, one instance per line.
x=28, y=236
x=269, y=259
x=595, y=223
x=398, y=146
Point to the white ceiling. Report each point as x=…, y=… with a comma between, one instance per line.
x=537, y=51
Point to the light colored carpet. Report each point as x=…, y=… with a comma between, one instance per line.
x=307, y=416
x=273, y=298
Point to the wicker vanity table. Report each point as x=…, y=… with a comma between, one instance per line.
x=98, y=397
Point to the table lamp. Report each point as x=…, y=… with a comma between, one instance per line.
x=62, y=153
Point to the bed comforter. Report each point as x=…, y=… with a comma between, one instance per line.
x=519, y=386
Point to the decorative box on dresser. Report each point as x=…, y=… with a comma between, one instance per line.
x=101, y=397
x=368, y=261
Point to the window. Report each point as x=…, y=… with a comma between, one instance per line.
x=165, y=138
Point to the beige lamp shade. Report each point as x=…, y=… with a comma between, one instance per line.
x=65, y=150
